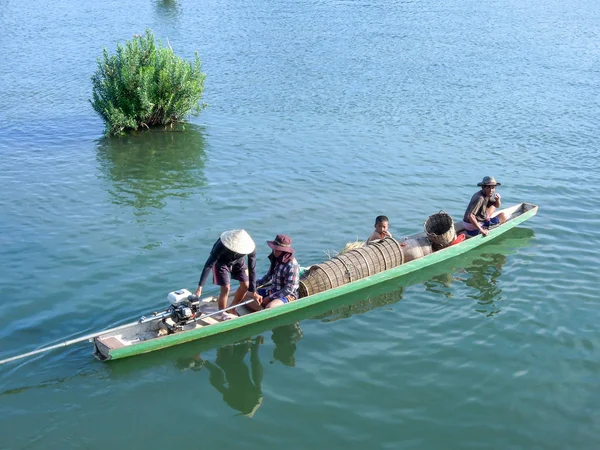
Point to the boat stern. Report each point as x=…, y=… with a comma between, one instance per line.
x=101, y=349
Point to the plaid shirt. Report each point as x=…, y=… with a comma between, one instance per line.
x=285, y=278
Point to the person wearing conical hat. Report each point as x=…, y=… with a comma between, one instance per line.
x=226, y=261
x=282, y=278
x=479, y=215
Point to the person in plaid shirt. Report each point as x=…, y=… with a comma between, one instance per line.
x=283, y=274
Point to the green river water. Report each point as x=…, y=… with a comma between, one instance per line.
x=323, y=114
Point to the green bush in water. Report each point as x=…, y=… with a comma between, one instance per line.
x=145, y=85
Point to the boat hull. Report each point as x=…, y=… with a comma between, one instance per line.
x=105, y=351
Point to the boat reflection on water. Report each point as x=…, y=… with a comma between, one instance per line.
x=285, y=339
x=237, y=376
x=482, y=275
x=364, y=305
x=480, y=272
x=240, y=387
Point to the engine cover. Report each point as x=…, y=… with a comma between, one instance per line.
x=178, y=296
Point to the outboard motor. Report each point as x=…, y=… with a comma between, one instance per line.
x=181, y=311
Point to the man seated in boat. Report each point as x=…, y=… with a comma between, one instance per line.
x=382, y=225
x=282, y=278
x=478, y=216
x=226, y=261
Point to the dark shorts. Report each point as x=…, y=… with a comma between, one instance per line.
x=486, y=224
x=265, y=292
x=222, y=273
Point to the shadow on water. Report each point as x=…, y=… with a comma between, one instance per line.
x=363, y=306
x=481, y=275
x=240, y=386
x=484, y=275
x=147, y=168
x=480, y=271
x=239, y=379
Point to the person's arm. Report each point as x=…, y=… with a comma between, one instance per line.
x=265, y=279
x=252, y=271
x=498, y=202
x=268, y=277
x=292, y=279
x=475, y=223
x=215, y=253
x=477, y=203
x=374, y=237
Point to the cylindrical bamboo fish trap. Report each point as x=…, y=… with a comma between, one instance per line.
x=351, y=266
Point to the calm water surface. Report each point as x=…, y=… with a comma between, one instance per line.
x=323, y=114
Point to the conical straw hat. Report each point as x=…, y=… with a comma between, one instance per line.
x=238, y=241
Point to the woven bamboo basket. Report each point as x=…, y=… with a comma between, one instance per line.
x=322, y=277
x=440, y=230
x=416, y=248
x=391, y=251
x=374, y=257
x=362, y=265
x=351, y=266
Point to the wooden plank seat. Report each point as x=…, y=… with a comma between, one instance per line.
x=111, y=342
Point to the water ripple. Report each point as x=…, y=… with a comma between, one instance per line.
x=323, y=115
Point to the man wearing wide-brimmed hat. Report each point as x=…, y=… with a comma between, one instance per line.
x=226, y=260
x=283, y=276
x=479, y=216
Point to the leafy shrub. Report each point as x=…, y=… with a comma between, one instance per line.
x=145, y=85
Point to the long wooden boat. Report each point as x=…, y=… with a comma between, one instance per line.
x=145, y=335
